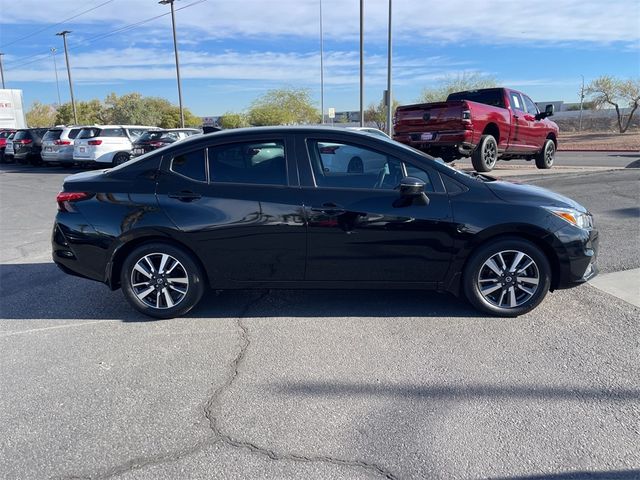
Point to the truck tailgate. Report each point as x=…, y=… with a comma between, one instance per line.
x=426, y=117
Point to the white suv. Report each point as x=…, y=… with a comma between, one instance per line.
x=109, y=144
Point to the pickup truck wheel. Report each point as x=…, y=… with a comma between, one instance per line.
x=485, y=156
x=546, y=156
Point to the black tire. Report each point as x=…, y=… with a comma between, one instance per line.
x=546, y=156
x=485, y=155
x=188, y=268
x=120, y=158
x=527, y=294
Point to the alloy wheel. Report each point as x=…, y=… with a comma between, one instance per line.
x=490, y=154
x=549, y=153
x=159, y=281
x=508, y=279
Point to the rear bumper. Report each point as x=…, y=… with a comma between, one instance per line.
x=77, y=248
x=458, y=142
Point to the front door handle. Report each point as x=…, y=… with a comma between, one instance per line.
x=185, y=196
x=329, y=208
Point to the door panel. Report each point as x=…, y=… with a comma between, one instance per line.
x=362, y=235
x=520, y=141
x=241, y=232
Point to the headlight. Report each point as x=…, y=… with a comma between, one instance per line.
x=574, y=217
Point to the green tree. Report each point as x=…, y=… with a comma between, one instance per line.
x=41, y=115
x=609, y=91
x=285, y=106
x=456, y=83
x=233, y=120
x=89, y=113
x=378, y=114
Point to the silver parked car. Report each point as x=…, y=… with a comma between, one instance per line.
x=57, y=144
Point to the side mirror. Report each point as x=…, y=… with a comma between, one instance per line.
x=548, y=110
x=412, y=192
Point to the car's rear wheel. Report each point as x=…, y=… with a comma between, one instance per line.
x=162, y=280
x=120, y=158
x=485, y=156
x=546, y=156
x=508, y=277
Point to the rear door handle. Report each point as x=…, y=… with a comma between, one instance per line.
x=329, y=208
x=185, y=196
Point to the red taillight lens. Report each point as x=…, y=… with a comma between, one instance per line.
x=62, y=142
x=156, y=144
x=65, y=200
x=26, y=141
x=95, y=142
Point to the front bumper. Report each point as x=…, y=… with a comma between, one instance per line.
x=578, y=262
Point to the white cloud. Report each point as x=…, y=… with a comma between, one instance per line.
x=341, y=68
x=471, y=21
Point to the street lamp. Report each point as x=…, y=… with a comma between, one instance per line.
x=1, y=70
x=175, y=48
x=321, y=67
x=64, y=34
x=55, y=68
x=361, y=63
x=389, y=94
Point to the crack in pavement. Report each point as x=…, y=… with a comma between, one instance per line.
x=219, y=435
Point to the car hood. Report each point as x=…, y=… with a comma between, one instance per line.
x=532, y=195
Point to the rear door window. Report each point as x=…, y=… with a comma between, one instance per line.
x=111, y=132
x=260, y=163
x=73, y=133
x=190, y=165
x=88, y=133
x=516, y=101
x=52, y=135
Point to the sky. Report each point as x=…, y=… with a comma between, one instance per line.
x=232, y=51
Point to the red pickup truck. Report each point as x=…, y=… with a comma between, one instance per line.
x=486, y=125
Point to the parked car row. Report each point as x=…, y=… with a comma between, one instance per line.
x=109, y=145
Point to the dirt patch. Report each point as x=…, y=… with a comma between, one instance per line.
x=629, y=141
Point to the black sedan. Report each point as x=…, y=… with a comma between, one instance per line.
x=154, y=139
x=267, y=207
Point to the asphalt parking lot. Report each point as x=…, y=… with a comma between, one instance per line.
x=316, y=384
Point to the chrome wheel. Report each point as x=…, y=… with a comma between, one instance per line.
x=159, y=281
x=508, y=279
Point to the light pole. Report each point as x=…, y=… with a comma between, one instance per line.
x=389, y=94
x=321, y=67
x=581, y=100
x=362, y=63
x=64, y=34
x=55, y=69
x=175, y=48
x=1, y=70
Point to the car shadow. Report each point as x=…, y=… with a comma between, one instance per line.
x=581, y=475
x=40, y=169
x=42, y=291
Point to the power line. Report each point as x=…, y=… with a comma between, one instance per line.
x=56, y=24
x=131, y=26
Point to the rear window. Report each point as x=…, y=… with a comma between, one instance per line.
x=190, y=165
x=21, y=135
x=5, y=134
x=494, y=98
x=88, y=133
x=73, y=133
x=52, y=135
x=111, y=132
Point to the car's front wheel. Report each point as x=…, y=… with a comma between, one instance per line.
x=162, y=280
x=508, y=277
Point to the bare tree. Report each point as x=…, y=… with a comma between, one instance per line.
x=606, y=90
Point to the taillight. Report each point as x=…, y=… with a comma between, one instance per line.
x=62, y=142
x=26, y=141
x=66, y=199
x=95, y=142
x=156, y=144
